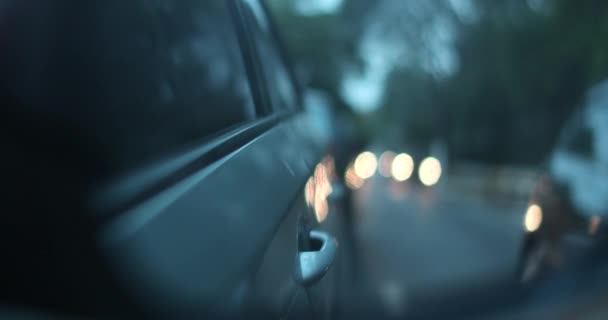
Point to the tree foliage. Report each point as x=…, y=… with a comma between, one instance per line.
x=521, y=70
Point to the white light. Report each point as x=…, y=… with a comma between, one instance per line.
x=429, y=171
x=402, y=167
x=534, y=217
x=365, y=165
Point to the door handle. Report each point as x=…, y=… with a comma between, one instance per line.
x=312, y=265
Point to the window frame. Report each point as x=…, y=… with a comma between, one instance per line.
x=119, y=193
x=284, y=56
x=279, y=45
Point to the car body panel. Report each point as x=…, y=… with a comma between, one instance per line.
x=194, y=238
x=210, y=227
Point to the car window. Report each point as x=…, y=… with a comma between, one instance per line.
x=140, y=78
x=278, y=82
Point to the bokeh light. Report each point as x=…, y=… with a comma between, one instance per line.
x=322, y=190
x=330, y=166
x=366, y=165
x=317, y=189
x=385, y=163
x=534, y=217
x=309, y=191
x=353, y=181
x=402, y=167
x=429, y=171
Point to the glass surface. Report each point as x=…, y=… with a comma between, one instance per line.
x=137, y=78
x=279, y=84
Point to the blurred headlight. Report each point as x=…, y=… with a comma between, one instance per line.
x=534, y=217
x=402, y=167
x=365, y=165
x=429, y=171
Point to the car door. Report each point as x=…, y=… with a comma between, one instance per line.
x=167, y=180
x=282, y=96
x=227, y=237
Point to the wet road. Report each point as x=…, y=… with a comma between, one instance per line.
x=436, y=253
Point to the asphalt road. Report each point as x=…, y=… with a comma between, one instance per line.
x=435, y=253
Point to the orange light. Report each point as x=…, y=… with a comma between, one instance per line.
x=309, y=191
x=321, y=209
x=316, y=190
x=330, y=167
x=353, y=181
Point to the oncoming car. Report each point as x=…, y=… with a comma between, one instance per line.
x=568, y=207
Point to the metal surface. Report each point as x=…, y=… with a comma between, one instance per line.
x=312, y=265
x=199, y=240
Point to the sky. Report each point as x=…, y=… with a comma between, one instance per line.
x=364, y=90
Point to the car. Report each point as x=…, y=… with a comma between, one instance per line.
x=418, y=168
x=159, y=161
x=568, y=206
